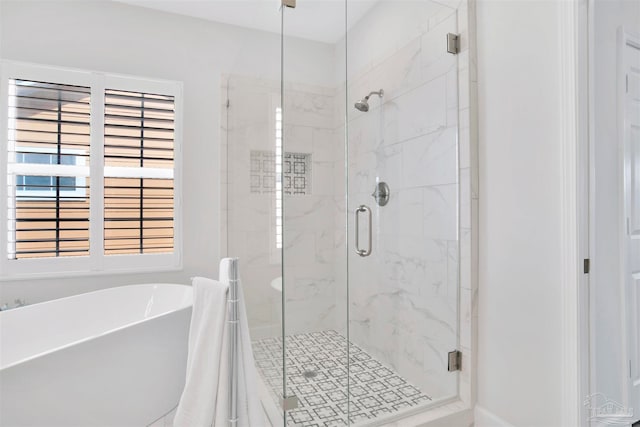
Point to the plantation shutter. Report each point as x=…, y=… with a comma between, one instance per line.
x=48, y=169
x=139, y=173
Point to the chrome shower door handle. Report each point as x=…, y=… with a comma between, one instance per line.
x=362, y=252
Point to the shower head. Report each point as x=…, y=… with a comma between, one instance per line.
x=363, y=104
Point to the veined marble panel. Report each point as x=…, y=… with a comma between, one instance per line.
x=430, y=159
x=419, y=112
x=440, y=212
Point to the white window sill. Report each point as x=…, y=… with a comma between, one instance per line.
x=71, y=274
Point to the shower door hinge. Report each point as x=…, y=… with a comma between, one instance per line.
x=455, y=361
x=288, y=403
x=586, y=266
x=289, y=3
x=453, y=43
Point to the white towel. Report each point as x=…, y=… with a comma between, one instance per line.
x=204, y=401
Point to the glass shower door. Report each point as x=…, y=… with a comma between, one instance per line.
x=402, y=122
x=348, y=167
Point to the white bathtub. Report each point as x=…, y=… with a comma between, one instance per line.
x=114, y=357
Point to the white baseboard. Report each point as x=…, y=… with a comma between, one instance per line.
x=484, y=418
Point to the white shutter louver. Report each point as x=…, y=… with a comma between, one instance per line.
x=139, y=168
x=48, y=169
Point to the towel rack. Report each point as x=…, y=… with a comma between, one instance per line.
x=232, y=316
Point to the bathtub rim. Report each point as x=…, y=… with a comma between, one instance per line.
x=96, y=336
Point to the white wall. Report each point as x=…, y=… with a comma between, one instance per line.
x=608, y=335
x=519, y=376
x=113, y=37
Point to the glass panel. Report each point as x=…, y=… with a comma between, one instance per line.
x=357, y=338
x=251, y=133
x=313, y=196
x=402, y=131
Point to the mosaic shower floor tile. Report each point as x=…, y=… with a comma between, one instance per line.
x=317, y=375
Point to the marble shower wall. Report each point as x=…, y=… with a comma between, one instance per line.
x=404, y=297
x=250, y=126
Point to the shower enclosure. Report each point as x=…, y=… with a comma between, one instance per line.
x=347, y=202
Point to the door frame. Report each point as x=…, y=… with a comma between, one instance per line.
x=576, y=213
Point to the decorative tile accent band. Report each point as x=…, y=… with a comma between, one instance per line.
x=296, y=173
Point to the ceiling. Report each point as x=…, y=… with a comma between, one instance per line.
x=319, y=20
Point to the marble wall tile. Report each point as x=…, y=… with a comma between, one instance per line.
x=306, y=213
x=308, y=109
x=399, y=73
x=389, y=166
x=261, y=299
x=440, y=212
x=444, y=13
x=325, y=248
x=299, y=247
x=430, y=159
x=296, y=139
x=324, y=145
x=251, y=212
x=416, y=113
x=322, y=177
x=453, y=271
x=408, y=220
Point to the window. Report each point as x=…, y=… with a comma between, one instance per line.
x=90, y=182
x=138, y=183
x=34, y=187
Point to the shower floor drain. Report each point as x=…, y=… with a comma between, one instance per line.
x=310, y=374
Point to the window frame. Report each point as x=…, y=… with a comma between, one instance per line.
x=96, y=263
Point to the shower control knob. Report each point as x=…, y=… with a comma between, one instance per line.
x=381, y=194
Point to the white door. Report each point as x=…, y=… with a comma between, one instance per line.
x=630, y=88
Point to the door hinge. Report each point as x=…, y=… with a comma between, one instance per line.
x=455, y=361
x=453, y=43
x=586, y=266
x=228, y=103
x=288, y=403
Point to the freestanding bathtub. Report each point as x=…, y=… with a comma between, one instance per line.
x=114, y=357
